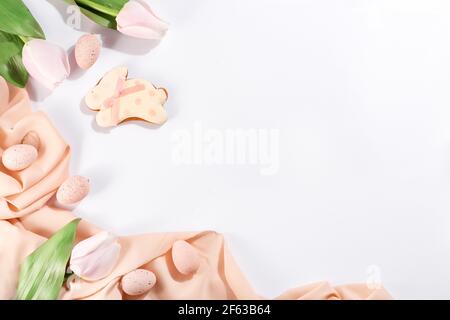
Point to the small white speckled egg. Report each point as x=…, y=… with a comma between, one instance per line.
x=19, y=157
x=32, y=139
x=87, y=51
x=73, y=190
x=138, y=282
x=185, y=257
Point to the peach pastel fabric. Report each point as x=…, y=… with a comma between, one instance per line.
x=26, y=221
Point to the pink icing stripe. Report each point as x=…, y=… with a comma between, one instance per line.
x=119, y=86
x=115, y=110
x=131, y=90
x=113, y=102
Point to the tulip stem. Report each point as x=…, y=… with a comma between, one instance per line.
x=23, y=38
x=107, y=10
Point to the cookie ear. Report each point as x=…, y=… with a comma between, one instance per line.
x=105, y=88
x=162, y=94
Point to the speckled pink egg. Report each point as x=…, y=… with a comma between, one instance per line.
x=185, y=257
x=73, y=190
x=87, y=51
x=138, y=282
x=19, y=157
x=32, y=139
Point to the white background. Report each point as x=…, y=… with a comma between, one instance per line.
x=360, y=93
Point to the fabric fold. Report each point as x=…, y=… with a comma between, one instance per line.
x=25, y=191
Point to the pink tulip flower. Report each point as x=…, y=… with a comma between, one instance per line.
x=94, y=258
x=137, y=19
x=46, y=62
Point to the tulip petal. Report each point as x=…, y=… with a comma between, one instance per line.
x=83, y=248
x=101, y=262
x=137, y=19
x=46, y=62
x=140, y=32
x=94, y=258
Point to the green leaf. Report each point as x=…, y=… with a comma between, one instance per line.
x=15, y=18
x=101, y=18
x=11, y=66
x=42, y=273
x=110, y=7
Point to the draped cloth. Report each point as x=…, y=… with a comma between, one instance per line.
x=27, y=220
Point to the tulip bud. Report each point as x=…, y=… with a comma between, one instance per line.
x=45, y=62
x=94, y=258
x=137, y=19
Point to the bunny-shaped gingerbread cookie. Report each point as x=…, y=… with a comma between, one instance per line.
x=118, y=99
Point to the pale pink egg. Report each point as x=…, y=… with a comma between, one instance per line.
x=138, y=282
x=185, y=257
x=87, y=51
x=73, y=190
x=32, y=139
x=19, y=157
